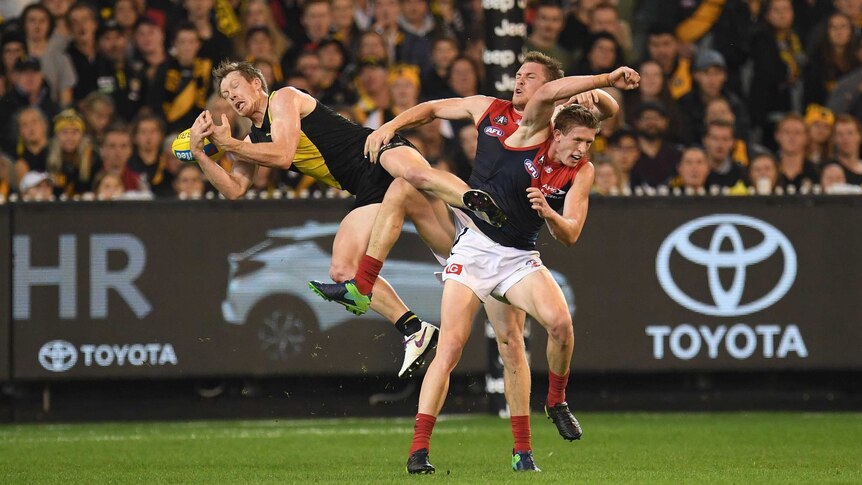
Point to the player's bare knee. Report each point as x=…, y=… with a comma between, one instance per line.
x=418, y=177
x=560, y=328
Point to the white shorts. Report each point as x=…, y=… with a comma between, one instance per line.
x=461, y=221
x=488, y=268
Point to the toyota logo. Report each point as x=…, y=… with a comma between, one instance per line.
x=726, y=302
x=58, y=356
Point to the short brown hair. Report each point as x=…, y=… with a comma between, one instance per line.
x=575, y=115
x=246, y=70
x=553, y=67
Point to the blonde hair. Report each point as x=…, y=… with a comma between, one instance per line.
x=246, y=70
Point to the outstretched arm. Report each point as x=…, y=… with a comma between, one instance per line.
x=567, y=227
x=540, y=108
x=470, y=108
x=286, y=107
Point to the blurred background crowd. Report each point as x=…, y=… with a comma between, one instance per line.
x=736, y=97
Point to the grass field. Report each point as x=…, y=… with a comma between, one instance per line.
x=744, y=448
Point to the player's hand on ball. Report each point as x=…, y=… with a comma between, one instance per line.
x=221, y=134
x=538, y=202
x=201, y=129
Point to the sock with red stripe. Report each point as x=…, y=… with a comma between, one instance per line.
x=557, y=388
x=366, y=274
x=422, y=432
x=521, y=432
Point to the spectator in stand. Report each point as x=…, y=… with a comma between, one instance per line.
x=109, y=186
x=693, y=172
x=653, y=89
x=317, y=25
x=57, y=68
x=718, y=145
x=710, y=75
x=58, y=10
x=852, y=9
x=792, y=138
x=180, y=89
x=732, y=36
x=604, y=54
x=344, y=27
x=663, y=48
x=13, y=48
x=659, y=158
x=115, y=152
x=454, y=20
x=260, y=46
x=256, y=14
x=464, y=78
x=372, y=46
x=624, y=152
x=833, y=59
x=150, y=50
x=403, y=82
x=401, y=46
x=308, y=64
x=819, y=121
x=416, y=19
x=605, y=17
x=35, y=187
x=719, y=109
x=777, y=57
x=189, y=182
x=125, y=85
x=148, y=133
x=834, y=181
x=334, y=86
x=608, y=180
x=847, y=137
x=763, y=173
x=547, y=24
x=98, y=112
x=91, y=67
x=465, y=155
x=202, y=15
x=372, y=88
x=71, y=155
x=28, y=91
x=443, y=52
x=576, y=31
x=32, y=147
x=126, y=15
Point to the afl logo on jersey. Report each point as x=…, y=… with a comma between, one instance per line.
x=493, y=131
x=531, y=168
x=501, y=120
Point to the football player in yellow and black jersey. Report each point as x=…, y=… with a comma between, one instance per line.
x=291, y=128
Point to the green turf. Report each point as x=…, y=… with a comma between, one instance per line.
x=745, y=448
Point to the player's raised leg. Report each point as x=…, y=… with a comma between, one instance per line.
x=408, y=163
x=350, y=243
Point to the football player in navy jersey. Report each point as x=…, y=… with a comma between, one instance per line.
x=496, y=120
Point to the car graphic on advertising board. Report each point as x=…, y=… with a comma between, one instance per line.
x=268, y=285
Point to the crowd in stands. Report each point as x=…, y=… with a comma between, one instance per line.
x=736, y=96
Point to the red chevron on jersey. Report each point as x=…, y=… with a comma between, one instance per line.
x=554, y=178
